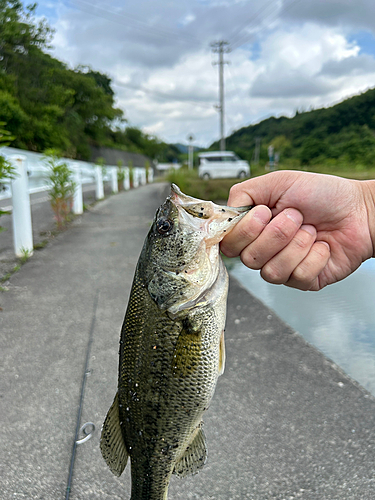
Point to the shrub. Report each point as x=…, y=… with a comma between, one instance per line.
x=62, y=187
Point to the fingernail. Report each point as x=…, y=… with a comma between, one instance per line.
x=325, y=243
x=309, y=229
x=294, y=214
x=262, y=214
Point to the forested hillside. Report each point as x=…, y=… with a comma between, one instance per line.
x=340, y=135
x=45, y=104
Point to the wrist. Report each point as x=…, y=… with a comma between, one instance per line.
x=369, y=198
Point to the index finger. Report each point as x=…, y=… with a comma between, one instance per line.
x=238, y=196
x=246, y=231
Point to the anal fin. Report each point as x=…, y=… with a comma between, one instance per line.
x=112, y=443
x=195, y=455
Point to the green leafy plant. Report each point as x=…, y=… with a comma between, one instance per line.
x=26, y=254
x=131, y=173
x=183, y=177
x=147, y=167
x=7, y=171
x=101, y=163
x=120, y=175
x=62, y=187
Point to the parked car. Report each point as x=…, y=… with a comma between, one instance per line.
x=222, y=164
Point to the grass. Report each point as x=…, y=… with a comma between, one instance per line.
x=212, y=189
x=360, y=175
x=218, y=189
x=41, y=245
x=8, y=275
x=357, y=170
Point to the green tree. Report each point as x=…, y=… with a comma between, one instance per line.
x=7, y=171
x=46, y=104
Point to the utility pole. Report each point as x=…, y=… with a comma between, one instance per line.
x=257, y=150
x=190, y=151
x=220, y=48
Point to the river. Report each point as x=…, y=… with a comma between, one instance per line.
x=339, y=320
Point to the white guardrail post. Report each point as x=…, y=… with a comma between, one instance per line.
x=143, y=177
x=77, y=207
x=22, y=228
x=126, y=179
x=99, y=182
x=135, y=178
x=150, y=175
x=114, y=183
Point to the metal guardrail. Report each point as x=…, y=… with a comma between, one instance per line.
x=37, y=170
x=32, y=177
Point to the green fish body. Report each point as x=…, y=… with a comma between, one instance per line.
x=171, y=347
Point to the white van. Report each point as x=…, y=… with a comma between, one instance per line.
x=216, y=164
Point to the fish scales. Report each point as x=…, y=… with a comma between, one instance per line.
x=171, y=347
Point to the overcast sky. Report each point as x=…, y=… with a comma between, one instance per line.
x=285, y=55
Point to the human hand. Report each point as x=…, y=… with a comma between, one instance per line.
x=317, y=230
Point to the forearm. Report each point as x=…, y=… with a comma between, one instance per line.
x=368, y=188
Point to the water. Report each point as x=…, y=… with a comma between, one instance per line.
x=339, y=320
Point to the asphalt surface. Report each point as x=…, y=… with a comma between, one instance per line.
x=43, y=220
x=284, y=423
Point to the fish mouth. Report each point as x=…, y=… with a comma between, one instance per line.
x=213, y=222
x=216, y=221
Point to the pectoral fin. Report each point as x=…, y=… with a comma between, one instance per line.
x=112, y=443
x=195, y=455
x=221, y=354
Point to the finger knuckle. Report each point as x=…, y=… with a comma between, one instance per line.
x=304, y=287
x=321, y=249
x=229, y=251
x=303, y=276
x=281, y=233
x=250, y=260
x=273, y=274
x=245, y=232
x=301, y=242
x=235, y=189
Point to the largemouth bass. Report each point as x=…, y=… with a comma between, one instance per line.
x=171, y=347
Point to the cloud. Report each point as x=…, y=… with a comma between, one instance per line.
x=290, y=83
x=336, y=13
x=287, y=55
x=292, y=62
x=355, y=65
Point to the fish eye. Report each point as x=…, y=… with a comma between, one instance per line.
x=164, y=225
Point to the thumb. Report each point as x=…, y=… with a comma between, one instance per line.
x=263, y=190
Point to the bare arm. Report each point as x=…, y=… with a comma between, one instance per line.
x=307, y=231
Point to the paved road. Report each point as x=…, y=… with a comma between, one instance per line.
x=41, y=213
x=285, y=422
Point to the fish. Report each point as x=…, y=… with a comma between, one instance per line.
x=171, y=346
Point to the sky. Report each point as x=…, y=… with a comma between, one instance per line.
x=283, y=56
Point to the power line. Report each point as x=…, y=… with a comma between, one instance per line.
x=134, y=22
x=249, y=23
x=246, y=38
x=220, y=47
